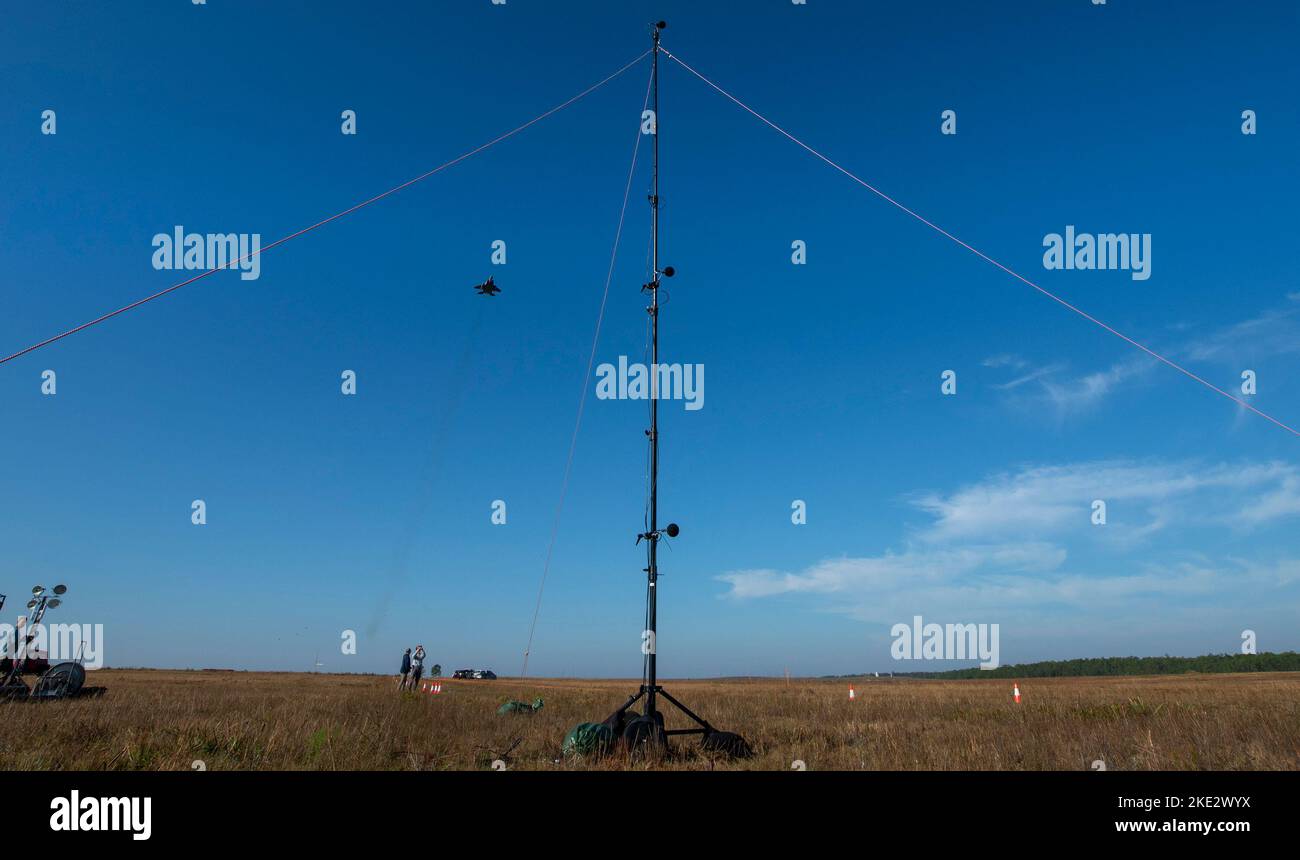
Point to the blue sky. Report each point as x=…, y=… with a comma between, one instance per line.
x=372, y=513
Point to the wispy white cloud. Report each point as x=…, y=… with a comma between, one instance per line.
x=1272, y=333
x=1001, y=545
x=1047, y=500
x=1051, y=386
x=977, y=583
x=913, y=568
x=1276, y=502
x=1276, y=332
x=1031, y=376
x=1083, y=393
x=1012, y=361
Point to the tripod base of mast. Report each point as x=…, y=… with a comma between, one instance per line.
x=641, y=731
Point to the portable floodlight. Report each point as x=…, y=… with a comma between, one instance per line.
x=40, y=602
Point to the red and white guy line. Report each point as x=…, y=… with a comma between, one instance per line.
x=325, y=221
x=978, y=252
x=586, y=382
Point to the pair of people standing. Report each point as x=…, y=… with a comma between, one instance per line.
x=412, y=669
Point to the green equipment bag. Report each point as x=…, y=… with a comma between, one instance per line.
x=588, y=739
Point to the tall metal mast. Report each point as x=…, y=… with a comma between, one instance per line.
x=649, y=728
x=652, y=535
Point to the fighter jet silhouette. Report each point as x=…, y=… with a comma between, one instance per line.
x=488, y=288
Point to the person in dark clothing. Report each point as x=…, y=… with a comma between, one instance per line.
x=404, y=678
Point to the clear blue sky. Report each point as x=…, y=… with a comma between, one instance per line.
x=372, y=512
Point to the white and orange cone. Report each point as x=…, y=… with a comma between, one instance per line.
x=851, y=693
x=1015, y=691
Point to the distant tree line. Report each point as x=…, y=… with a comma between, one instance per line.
x=1285, y=661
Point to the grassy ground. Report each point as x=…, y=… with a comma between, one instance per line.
x=165, y=720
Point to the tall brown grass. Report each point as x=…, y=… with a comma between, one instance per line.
x=166, y=720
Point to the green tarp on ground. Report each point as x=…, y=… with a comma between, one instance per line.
x=516, y=707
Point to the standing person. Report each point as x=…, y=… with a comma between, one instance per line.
x=417, y=666
x=406, y=670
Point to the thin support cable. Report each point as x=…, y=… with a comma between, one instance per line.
x=586, y=382
x=981, y=254
x=323, y=221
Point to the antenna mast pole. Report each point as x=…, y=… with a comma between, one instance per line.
x=649, y=728
x=652, y=542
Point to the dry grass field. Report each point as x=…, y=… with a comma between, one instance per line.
x=168, y=720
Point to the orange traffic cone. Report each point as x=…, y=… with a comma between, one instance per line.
x=1015, y=690
x=851, y=693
